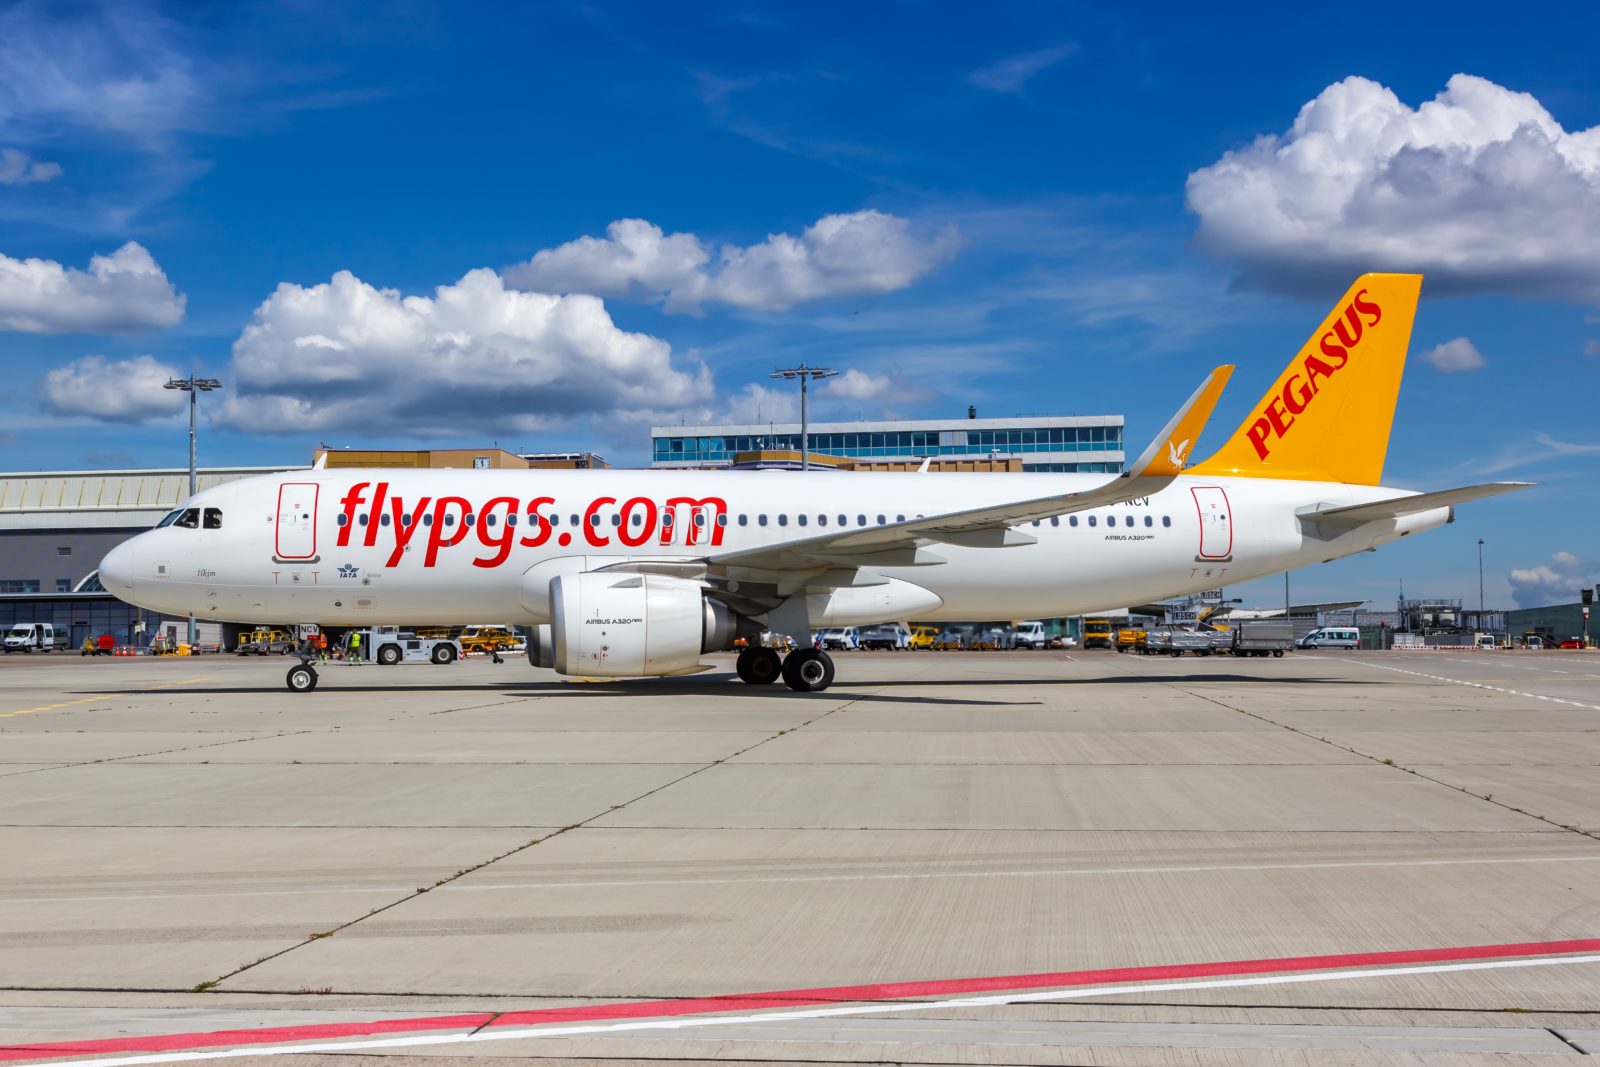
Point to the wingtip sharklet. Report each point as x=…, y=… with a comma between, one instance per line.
x=1168, y=454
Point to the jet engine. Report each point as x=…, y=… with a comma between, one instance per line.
x=619, y=625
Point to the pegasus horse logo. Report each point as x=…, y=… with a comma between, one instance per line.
x=1177, y=453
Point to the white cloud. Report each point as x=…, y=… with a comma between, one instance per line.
x=19, y=168
x=1009, y=75
x=474, y=357
x=126, y=290
x=840, y=255
x=129, y=390
x=1457, y=355
x=1556, y=582
x=115, y=68
x=1479, y=188
x=858, y=385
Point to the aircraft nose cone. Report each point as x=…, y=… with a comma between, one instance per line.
x=116, y=570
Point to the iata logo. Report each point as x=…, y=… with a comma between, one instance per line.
x=505, y=521
x=1300, y=388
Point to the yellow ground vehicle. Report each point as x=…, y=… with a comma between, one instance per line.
x=1130, y=639
x=262, y=642
x=1097, y=633
x=923, y=637
x=488, y=639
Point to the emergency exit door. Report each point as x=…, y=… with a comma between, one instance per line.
x=1216, y=525
x=297, y=522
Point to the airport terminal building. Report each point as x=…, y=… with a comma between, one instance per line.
x=1069, y=443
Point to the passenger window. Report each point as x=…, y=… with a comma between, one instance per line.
x=511, y=519
x=575, y=521
x=616, y=520
x=1148, y=521
x=1055, y=520
x=383, y=520
x=449, y=520
x=1072, y=520
x=899, y=518
x=801, y=519
x=469, y=519
x=190, y=519
x=1036, y=522
x=554, y=520
x=882, y=521
x=761, y=520
x=844, y=520
x=489, y=519
x=744, y=520
x=343, y=520
x=861, y=520
x=666, y=518
x=213, y=519
x=822, y=520
x=699, y=518
x=1166, y=520
x=722, y=520
x=1091, y=520
x=427, y=520
x=783, y=520
x=1129, y=520
x=362, y=519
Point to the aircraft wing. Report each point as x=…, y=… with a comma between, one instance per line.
x=1395, y=507
x=991, y=526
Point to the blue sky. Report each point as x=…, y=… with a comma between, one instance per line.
x=398, y=229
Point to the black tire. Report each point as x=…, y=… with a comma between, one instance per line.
x=389, y=655
x=302, y=678
x=1277, y=652
x=760, y=666
x=808, y=670
x=443, y=654
x=1177, y=652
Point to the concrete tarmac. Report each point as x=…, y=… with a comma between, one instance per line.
x=187, y=847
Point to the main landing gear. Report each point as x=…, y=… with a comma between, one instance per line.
x=805, y=670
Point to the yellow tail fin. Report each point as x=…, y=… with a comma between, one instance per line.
x=1327, y=418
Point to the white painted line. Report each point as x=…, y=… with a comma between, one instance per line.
x=1480, y=685
x=1043, y=872
x=526, y=1033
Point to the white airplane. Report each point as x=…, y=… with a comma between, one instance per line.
x=627, y=573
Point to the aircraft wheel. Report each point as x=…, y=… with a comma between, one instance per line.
x=808, y=670
x=759, y=666
x=443, y=654
x=389, y=655
x=302, y=678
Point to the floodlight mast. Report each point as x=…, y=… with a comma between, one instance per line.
x=805, y=374
x=194, y=386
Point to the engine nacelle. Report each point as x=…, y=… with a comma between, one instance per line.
x=619, y=625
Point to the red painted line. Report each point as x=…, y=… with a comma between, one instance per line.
x=792, y=998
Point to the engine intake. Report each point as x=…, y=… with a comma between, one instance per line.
x=620, y=625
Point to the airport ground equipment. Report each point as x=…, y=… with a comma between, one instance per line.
x=264, y=642
x=1262, y=637
x=1097, y=633
x=387, y=647
x=888, y=637
x=1131, y=639
x=34, y=637
x=487, y=639
x=1175, y=641
x=1031, y=634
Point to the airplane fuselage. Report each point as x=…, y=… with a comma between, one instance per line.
x=354, y=547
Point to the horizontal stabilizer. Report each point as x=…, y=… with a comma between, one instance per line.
x=1394, y=507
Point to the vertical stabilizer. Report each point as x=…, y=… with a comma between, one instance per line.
x=1328, y=416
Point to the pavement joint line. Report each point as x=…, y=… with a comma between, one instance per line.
x=1559, y=1036
x=1064, y=872
x=207, y=986
x=1477, y=685
x=686, y=1021
x=1486, y=798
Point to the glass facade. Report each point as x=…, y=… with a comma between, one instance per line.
x=82, y=615
x=889, y=444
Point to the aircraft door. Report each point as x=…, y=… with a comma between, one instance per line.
x=297, y=523
x=1216, y=524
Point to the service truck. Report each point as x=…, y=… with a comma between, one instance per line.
x=387, y=646
x=1097, y=634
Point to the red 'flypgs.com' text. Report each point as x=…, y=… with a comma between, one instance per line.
x=506, y=521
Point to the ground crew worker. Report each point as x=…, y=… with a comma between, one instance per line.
x=355, y=647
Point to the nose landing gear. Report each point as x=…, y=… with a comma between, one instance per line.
x=302, y=678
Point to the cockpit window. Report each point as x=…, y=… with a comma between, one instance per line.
x=190, y=519
x=171, y=518
x=213, y=519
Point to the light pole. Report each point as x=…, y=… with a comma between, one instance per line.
x=805, y=374
x=1480, y=581
x=194, y=386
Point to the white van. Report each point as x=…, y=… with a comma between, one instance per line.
x=34, y=636
x=1032, y=634
x=1332, y=637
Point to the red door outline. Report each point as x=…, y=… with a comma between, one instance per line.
x=1221, y=510
x=309, y=512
